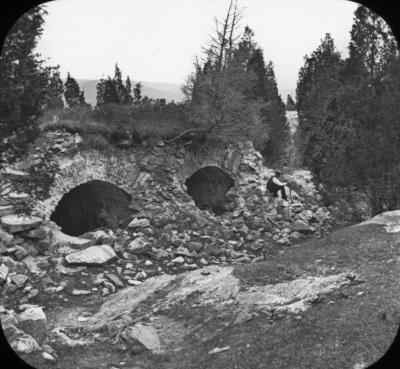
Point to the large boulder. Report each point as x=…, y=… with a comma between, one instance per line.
x=92, y=256
x=139, y=338
x=33, y=321
x=15, y=223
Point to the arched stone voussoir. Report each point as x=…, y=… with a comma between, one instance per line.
x=227, y=159
x=84, y=167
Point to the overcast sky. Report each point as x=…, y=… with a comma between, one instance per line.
x=158, y=40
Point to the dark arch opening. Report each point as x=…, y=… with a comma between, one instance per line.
x=208, y=186
x=92, y=205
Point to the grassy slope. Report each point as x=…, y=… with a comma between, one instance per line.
x=342, y=329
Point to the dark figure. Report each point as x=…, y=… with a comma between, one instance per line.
x=274, y=185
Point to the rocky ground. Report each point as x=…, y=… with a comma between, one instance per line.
x=179, y=287
x=330, y=300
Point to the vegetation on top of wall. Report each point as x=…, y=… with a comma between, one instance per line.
x=231, y=96
x=114, y=122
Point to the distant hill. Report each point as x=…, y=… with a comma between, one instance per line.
x=154, y=90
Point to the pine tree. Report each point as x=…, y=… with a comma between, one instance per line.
x=128, y=89
x=318, y=79
x=23, y=81
x=72, y=93
x=113, y=90
x=55, y=90
x=119, y=86
x=256, y=64
x=372, y=39
x=274, y=113
x=110, y=92
x=290, y=104
x=350, y=111
x=100, y=92
x=137, y=92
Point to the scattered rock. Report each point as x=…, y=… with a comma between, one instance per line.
x=25, y=344
x=134, y=282
x=137, y=246
x=19, y=280
x=78, y=292
x=301, y=226
x=6, y=210
x=15, y=223
x=77, y=243
x=139, y=223
x=178, y=260
x=114, y=279
x=139, y=338
x=3, y=273
x=218, y=350
x=33, y=321
x=38, y=233
x=32, y=265
x=47, y=356
x=59, y=336
x=182, y=251
x=93, y=255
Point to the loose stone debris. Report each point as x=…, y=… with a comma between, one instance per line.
x=167, y=250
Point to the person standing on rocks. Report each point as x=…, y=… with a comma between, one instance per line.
x=274, y=185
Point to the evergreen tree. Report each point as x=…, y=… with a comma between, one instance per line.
x=137, y=92
x=23, y=82
x=107, y=92
x=256, y=64
x=100, y=92
x=113, y=90
x=72, y=93
x=128, y=88
x=355, y=142
x=119, y=86
x=274, y=113
x=372, y=39
x=290, y=104
x=318, y=80
x=233, y=94
x=82, y=98
x=55, y=91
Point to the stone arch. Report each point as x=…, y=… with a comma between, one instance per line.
x=92, y=205
x=121, y=171
x=226, y=158
x=208, y=187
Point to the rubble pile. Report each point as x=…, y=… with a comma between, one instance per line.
x=167, y=233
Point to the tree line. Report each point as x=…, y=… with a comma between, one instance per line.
x=349, y=113
x=231, y=95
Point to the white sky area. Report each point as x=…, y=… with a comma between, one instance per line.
x=158, y=40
